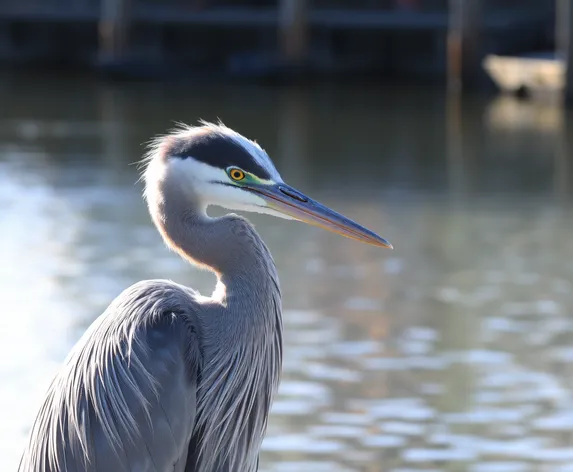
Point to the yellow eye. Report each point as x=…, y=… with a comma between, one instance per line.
x=237, y=174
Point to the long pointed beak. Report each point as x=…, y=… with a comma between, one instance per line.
x=287, y=200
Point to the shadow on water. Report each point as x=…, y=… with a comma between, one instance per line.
x=452, y=352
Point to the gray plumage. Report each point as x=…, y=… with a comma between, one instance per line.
x=167, y=380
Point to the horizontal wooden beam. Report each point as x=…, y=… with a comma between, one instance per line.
x=267, y=17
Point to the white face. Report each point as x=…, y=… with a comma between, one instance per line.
x=205, y=182
x=215, y=187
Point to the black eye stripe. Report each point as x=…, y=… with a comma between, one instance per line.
x=220, y=151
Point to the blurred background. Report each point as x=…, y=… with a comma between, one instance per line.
x=443, y=126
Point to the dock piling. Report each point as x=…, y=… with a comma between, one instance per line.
x=114, y=27
x=564, y=44
x=464, y=43
x=292, y=32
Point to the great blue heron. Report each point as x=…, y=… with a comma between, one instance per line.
x=167, y=380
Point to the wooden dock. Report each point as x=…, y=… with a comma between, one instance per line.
x=336, y=18
x=151, y=37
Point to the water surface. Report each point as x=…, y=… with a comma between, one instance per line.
x=452, y=352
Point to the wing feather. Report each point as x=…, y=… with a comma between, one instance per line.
x=125, y=399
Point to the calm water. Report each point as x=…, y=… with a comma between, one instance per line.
x=453, y=352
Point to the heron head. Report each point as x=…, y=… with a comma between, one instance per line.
x=221, y=167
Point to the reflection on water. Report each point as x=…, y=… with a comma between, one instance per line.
x=452, y=352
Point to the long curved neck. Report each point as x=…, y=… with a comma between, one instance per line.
x=228, y=246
